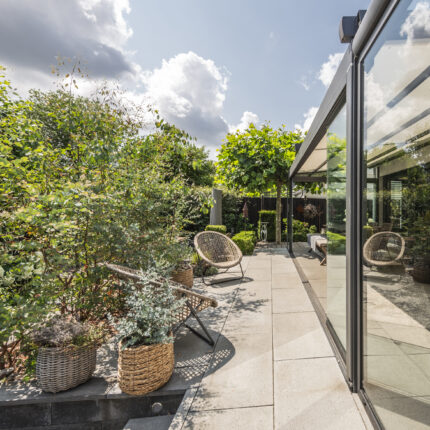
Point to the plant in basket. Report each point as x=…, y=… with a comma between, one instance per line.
x=67, y=353
x=177, y=258
x=146, y=358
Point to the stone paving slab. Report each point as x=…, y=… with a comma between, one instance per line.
x=299, y=335
x=291, y=300
x=311, y=394
x=244, y=381
x=259, y=418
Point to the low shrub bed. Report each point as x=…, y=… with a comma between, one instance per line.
x=219, y=228
x=300, y=230
x=246, y=241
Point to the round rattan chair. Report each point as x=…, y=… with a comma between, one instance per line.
x=383, y=249
x=219, y=251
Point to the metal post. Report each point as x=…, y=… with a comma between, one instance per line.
x=290, y=217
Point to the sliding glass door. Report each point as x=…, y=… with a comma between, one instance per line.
x=396, y=213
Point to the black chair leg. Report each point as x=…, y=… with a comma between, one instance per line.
x=208, y=338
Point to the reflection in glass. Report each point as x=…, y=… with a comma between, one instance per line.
x=336, y=225
x=396, y=234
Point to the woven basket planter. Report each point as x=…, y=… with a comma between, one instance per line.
x=184, y=276
x=62, y=368
x=145, y=368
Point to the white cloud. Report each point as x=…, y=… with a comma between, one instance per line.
x=272, y=35
x=309, y=117
x=247, y=118
x=329, y=68
x=417, y=24
x=188, y=90
x=93, y=30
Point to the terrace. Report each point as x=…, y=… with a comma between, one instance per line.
x=272, y=366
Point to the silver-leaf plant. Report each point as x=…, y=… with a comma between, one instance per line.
x=151, y=307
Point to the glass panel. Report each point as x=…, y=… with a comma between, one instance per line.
x=396, y=235
x=336, y=225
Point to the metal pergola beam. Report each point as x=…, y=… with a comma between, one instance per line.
x=335, y=95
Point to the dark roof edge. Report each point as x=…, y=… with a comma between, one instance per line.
x=325, y=113
x=373, y=14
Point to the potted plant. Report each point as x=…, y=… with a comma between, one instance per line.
x=67, y=353
x=178, y=255
x=146, y=358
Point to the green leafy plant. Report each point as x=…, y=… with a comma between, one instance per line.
x=246, y=241
x=257, y=160
x=151, y=305
x=300, y=230
x=218, y=228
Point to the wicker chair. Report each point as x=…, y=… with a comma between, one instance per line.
x=194, y=302
x=384, y=249
x=219, y=251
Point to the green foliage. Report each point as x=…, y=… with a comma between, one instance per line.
x=270, y=218
x=150, y=314
x=313, y=229
x=180, y=156
x=218, y=228
x=246, y=241
x=300, y=230
x=81, y=185
x=200, y=267
x=258, y=160
x=336, y=243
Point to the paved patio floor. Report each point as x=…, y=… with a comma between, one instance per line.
x=272, y=366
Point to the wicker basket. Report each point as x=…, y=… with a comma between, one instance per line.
x=62, y=368
x=145, y=368
x=184, y=276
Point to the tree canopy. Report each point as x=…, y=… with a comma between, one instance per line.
x=258, y=160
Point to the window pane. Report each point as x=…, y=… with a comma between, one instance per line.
x=396, y=234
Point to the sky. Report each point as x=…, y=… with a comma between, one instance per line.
x=209, y=67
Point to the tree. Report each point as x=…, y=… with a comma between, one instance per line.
x=257, y=160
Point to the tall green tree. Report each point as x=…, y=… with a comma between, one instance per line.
x=257, y=160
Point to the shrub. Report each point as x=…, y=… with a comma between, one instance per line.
x=313, y=229
x=336, y=243
x=246, y=241
x=200, y=267
x=219, y=228
x=300, y=230
x=270, y=217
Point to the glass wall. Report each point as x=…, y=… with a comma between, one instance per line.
x=336, y=225
x=396, y=210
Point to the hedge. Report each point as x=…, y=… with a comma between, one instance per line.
x=336, y=243
x=218, y=228
x=270, y=217
x=300, y=230
x=246, y=241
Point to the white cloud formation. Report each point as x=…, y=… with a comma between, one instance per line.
x=329, y=68
x=187, y=89
x=190, y=91
x=247, y=118
x=309, y=117
x=93, y=30
x=417, y=24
